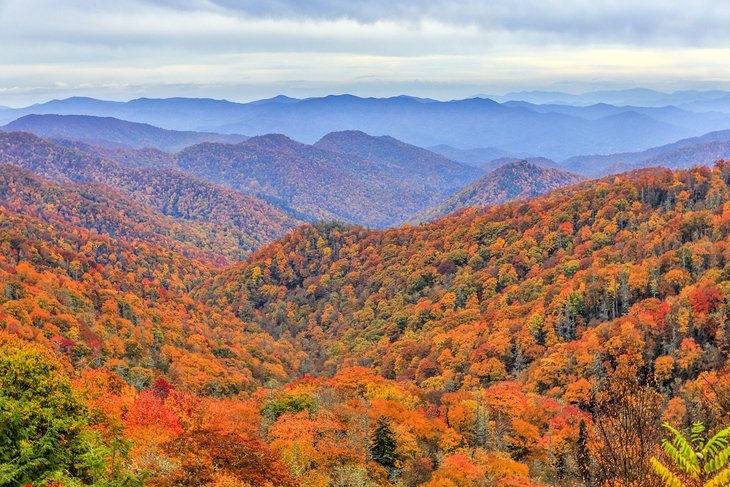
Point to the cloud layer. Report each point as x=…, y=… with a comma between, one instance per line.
x=244, y=49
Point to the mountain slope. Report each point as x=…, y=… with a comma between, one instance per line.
x=552, y=293
x=237, y=223
x=413, y=165
x=518, y=180
x=112, y=133
x=312, y=181
x=103, y=281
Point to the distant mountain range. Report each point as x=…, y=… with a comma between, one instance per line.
x=271, y=179
x=508, y=129
x=111, y=132
x=348, y=175
x=694, y=100
x=695, y=151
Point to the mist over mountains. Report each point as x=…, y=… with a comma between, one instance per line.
x=513, y=128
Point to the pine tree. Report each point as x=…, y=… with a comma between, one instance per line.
x=383, y=445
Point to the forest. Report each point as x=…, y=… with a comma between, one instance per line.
x=577, y=338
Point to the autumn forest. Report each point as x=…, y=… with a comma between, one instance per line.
x=357, y=312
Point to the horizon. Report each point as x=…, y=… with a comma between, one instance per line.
x=246, y=51
x=504, y=96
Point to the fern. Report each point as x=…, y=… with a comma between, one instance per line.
x=668, y=477
x=716, y=443
x=711, y=457
x=720, y=480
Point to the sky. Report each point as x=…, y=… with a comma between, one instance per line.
x=251, y=49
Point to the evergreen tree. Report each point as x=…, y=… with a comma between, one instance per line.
x=383, y=445
x=41, y=421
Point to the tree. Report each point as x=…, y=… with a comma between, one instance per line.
x=583, y=454
x=627, y=429
x=697, y=461
x=41, y=420
x=383, y=445
x=205, y=455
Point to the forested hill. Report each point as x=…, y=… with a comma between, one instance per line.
x=234, y=223
x=631, y=268
x=505, y=345
x=517, y=180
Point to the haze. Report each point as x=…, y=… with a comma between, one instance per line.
x=248, y=50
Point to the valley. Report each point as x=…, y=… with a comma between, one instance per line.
x=214, y=305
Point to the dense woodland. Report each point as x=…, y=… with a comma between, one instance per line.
x=534, y=343
x=512, y=180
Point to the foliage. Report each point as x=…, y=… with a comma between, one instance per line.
x=383, y=446
x=518, y=180
x=698, y=461
x=42, y=418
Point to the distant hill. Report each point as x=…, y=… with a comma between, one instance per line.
x=685, y=153
x=316, y=182
x=514, y=181
x=110, y=132
x=469, y=123
x=688, y=99
x=503, y=161
x=413, y=165
x=476, y=157
x=705, y=121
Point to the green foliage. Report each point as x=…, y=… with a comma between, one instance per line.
x=698, y=462
x=41, y=420
x=288, y=403
x=383, y=445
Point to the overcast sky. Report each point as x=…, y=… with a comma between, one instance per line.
x=249, y=49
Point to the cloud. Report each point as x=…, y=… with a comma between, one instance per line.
x=694, y=22
x=247, y=47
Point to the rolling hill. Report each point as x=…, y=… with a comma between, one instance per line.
x=110, y=132
x=237, y=223
x=415, y=166
x=518, y=180
x=315, y=182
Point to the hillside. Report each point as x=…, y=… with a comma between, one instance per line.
x=113, y=133
x=505, y=345
x=314, y=182
x=236, y=223
x=103, y=280
x=595, y=286
x=415, y=166
x=518, y=180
